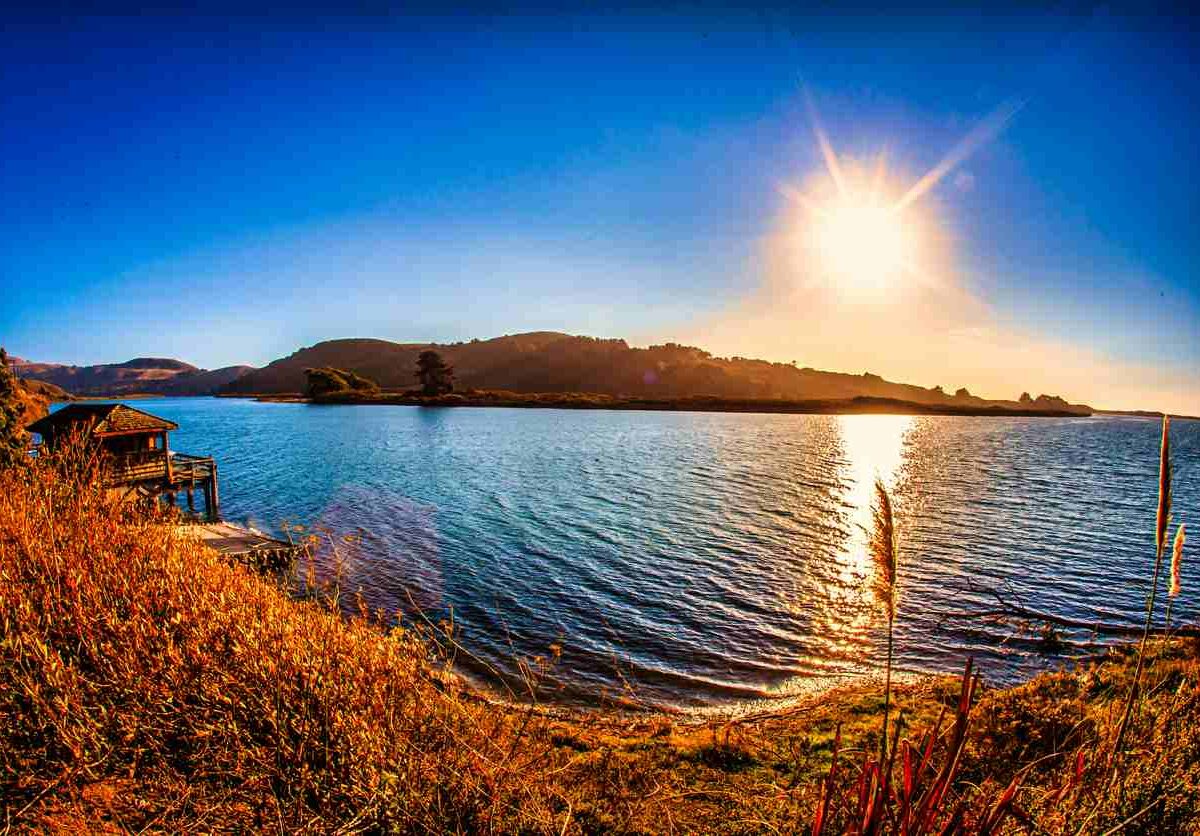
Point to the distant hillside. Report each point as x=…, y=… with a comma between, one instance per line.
x=202, y=381
x=45, y=390
x=546, y=362
x=141, y=376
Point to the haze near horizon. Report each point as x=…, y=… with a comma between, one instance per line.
x=997, y=202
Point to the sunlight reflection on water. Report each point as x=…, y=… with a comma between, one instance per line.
x=869, y=447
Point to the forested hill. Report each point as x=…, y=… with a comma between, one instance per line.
x=547, y=361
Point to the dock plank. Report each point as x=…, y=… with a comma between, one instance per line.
x=242, y=544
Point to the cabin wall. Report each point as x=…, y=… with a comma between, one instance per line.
x=120, y=445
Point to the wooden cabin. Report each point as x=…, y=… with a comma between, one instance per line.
x=138, y=457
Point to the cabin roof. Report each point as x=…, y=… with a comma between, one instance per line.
x=103, y=419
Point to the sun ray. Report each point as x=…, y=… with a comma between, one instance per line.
x=831, y=160
x=982, y=133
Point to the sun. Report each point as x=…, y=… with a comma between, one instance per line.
x=863, y=246
x=855, y=231
x=850, y=234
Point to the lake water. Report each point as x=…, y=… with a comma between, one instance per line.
x=698, y=559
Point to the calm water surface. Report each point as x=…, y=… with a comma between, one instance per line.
x=698, y=559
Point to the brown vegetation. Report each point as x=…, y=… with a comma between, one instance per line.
x=20, y=405
x=144, y=683
x=329, y=382
x=589, y=400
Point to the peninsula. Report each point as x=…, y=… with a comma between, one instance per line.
x=550, y=369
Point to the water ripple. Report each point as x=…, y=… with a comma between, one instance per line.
x=696, y=559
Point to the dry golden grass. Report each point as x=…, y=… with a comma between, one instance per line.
x=145, y=685
x=144, y=682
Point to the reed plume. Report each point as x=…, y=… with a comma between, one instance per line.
x=1176, y=585
x=1176, y=560
x=882, y=549
x=1163, y=521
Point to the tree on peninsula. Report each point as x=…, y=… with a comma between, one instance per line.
x=435, y=377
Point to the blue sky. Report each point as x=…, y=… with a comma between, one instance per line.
x=228, y=191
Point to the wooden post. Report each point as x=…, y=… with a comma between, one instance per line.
x=214, y=496
x=167, y=455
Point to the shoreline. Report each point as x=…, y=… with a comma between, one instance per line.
x=841, y=406
x=835, y=406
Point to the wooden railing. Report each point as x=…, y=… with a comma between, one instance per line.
x=142, y=466
x=152, y=465
x=187, y=467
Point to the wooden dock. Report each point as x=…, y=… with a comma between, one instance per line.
x=244, y=545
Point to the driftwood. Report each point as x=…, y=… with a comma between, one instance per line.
x=1009, y=609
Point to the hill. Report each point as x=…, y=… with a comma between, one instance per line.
x=46, y=391
x=550, y=362
x=140, y=376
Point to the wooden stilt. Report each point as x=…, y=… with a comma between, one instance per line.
x=214, y=508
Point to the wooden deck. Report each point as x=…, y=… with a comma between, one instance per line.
x=244, y=545
x=174, y=469
x=170, y=474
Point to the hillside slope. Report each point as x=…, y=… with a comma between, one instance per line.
x=143, y=375
x=33, y=400
x=46, y=391
x=546, y=361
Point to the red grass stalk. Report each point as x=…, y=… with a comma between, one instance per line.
x=923, y=801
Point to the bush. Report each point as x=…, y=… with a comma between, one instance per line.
x=326, y=382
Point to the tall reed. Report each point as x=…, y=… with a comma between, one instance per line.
x=1163, y=522
x=883, y=548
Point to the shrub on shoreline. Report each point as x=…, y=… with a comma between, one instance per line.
x=330, y=382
